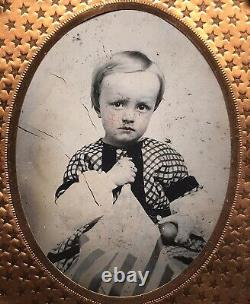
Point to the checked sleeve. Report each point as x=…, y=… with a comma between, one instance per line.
x=75, y=166
x=174, y=177
x=87, y=158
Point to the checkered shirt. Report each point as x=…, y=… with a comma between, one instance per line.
x=162, y=166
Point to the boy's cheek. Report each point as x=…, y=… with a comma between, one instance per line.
x=111, y=118
x=144, y=119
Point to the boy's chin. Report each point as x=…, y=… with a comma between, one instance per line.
x=123, y=140
x=128, y=142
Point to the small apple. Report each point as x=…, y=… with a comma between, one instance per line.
x=168, y=232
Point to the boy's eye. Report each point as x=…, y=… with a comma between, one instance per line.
x=143, y=107
x=117, y=104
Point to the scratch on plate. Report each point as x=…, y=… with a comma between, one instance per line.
x=27, y=131
x=60, y=77
x=91, y=191
x=43, y=132
x=89, y=115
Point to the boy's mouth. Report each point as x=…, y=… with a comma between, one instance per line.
x=127, y=129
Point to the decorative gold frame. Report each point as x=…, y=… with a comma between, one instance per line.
x=27, y=31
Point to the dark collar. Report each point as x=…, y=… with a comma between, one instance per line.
x=131, y=147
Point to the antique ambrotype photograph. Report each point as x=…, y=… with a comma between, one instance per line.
x=123, y=153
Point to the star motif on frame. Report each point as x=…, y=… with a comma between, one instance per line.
x=233, y=20
x=203, y=6
x=15, y=71
x=32, y=42
x=28, y=26
x=23, y=56
x=216, y=20
x=238, y=80
x=242, y=96
x=55, y=18
x=237, y=50
x=227, y=36
x=70, y=7
x=55, y=2
x=245, y=67
x=222, y=50
x=186, y=12
x=170, y=2
x=8, y=57
x=200, y=23
x=8, y=88
x=40, y=13
x=6, y=6
x=43, y=29
x=244, y=35
x=17, y=41
x=218, y=3
x=24, y=9
x=10, y=24
x=212, y=35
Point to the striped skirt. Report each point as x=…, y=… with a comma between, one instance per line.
x=123, y=240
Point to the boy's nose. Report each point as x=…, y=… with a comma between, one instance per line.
x=128, y=116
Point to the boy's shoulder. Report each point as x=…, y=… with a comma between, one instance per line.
x=92, y=148
x=150, y=143
x=160, y=150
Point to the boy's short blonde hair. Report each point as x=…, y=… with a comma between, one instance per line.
x=125, y=62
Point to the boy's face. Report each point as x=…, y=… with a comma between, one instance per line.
x=127, y=102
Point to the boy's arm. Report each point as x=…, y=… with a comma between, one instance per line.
x=81, y=183
x=79, y=164
x=85, y=200
x=173, y=176
x=100, y=184
x=192, y=216
x=90, y=194
x=186, y=199
x=71, y=174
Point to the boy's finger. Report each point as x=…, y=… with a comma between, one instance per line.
x=131, y=164
x=134, y=168
x=182, y=236
x=125, y=158
x=159, y=217
x=126, y=161
x=131, y=179
x=133, y=173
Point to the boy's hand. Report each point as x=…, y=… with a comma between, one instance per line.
x=192, y=223
x=184, y=223
x=123, y=172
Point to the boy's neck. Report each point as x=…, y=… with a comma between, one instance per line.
x=121, y=146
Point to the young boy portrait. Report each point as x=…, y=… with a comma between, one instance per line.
x=124, y=154
x=133, y=181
